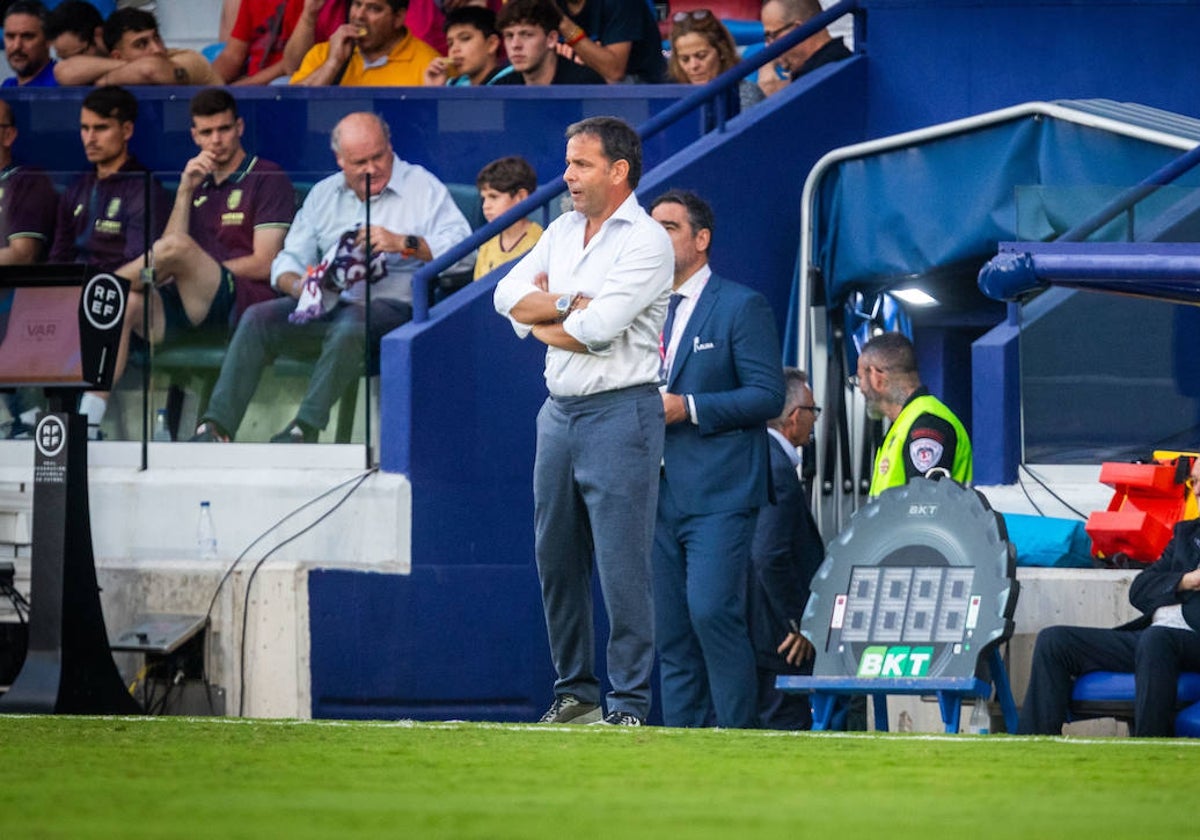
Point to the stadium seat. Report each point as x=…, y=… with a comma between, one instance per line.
x=1101, y=694
x=199, y=367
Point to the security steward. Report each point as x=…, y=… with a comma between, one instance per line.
x=924, y=434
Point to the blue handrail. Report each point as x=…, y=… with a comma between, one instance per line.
x=1011, y=274
x=713, y=92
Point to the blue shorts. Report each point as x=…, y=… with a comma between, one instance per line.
x=217, y=324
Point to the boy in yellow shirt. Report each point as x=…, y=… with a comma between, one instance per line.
x=502, y=184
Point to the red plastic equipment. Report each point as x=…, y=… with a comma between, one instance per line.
x=1149, y=500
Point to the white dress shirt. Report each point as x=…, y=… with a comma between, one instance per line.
x=626, y=269
x=789, y=449
x=691, y=290
x=414, y=202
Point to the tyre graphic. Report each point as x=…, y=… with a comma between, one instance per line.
x=919, y=584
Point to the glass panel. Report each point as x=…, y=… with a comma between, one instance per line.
x=251, y=366
x=1103, y=376
x=74, y=217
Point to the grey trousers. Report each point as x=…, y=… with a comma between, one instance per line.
x=595, y=487
x=335, y=340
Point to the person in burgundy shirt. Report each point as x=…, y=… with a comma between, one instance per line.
x=231, y=212
x=28, y=202
x=112, y=213
x=103, y=217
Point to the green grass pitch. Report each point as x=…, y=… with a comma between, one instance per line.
x=172, y=777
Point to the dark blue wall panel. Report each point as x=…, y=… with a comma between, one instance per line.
x=937, y=60
x=443, y=642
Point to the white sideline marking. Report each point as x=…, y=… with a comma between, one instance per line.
x=658, y=730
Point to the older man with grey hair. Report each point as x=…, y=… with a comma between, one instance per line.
x=785, y=554
x=412, y=218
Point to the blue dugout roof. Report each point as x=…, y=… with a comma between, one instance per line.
x=931, y=206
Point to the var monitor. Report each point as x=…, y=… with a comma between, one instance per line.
x=60, y=326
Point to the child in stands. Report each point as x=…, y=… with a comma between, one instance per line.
x=503, y=184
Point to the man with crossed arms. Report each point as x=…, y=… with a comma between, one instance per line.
x=594, y=290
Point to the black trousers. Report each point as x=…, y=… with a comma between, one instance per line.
x=1155, y=656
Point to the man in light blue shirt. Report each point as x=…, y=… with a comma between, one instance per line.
x=410, y=218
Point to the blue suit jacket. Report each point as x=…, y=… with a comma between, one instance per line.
x=785, y=555
x=728, y=358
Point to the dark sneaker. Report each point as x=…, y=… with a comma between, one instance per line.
x=209, y=432
x=296, y=432
x=619, y=719
x=20, y=430
x=568, y=708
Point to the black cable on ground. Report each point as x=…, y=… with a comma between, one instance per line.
x=254, y=571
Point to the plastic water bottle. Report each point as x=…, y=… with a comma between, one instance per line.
x=981, y=718
x=206, y=533
x=161, y=432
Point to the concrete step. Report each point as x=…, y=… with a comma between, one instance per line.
x=16, y=518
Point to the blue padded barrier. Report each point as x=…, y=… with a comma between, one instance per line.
x=1110, y=694
x=1187, y=722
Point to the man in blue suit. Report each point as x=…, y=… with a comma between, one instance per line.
x=722, y=382
x=786, y=553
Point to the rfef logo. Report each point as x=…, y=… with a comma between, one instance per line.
x=880, y=661
x=51, y=435
x=103, y=302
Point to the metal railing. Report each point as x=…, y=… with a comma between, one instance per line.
x=713, y=93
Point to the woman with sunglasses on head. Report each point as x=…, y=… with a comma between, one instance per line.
x=701, y=50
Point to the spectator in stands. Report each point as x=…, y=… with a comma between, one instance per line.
x=1155, y=647
x=229, y=13
x=424, y=19
x=413, y=218
x=785, y=554
x=28, y=202
x=26, y=46
x=28, y=205
x=103, y=218
x=600, y=433
x=254, y=50
x=528, y=27
x=721, y=383
x=503, y=184
x=230, y=215
x=780, y=17
x=76, y=28
x=619, y=39
x=136, y=56
x=374, y=48
x=702, y=49
x=924, y=434
x=474, y=50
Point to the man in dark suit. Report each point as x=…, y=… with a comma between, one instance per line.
x=786, y=553
x=1156, y=647
x=722, y=382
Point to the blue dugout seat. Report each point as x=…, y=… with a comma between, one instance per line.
x=1101, y=694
